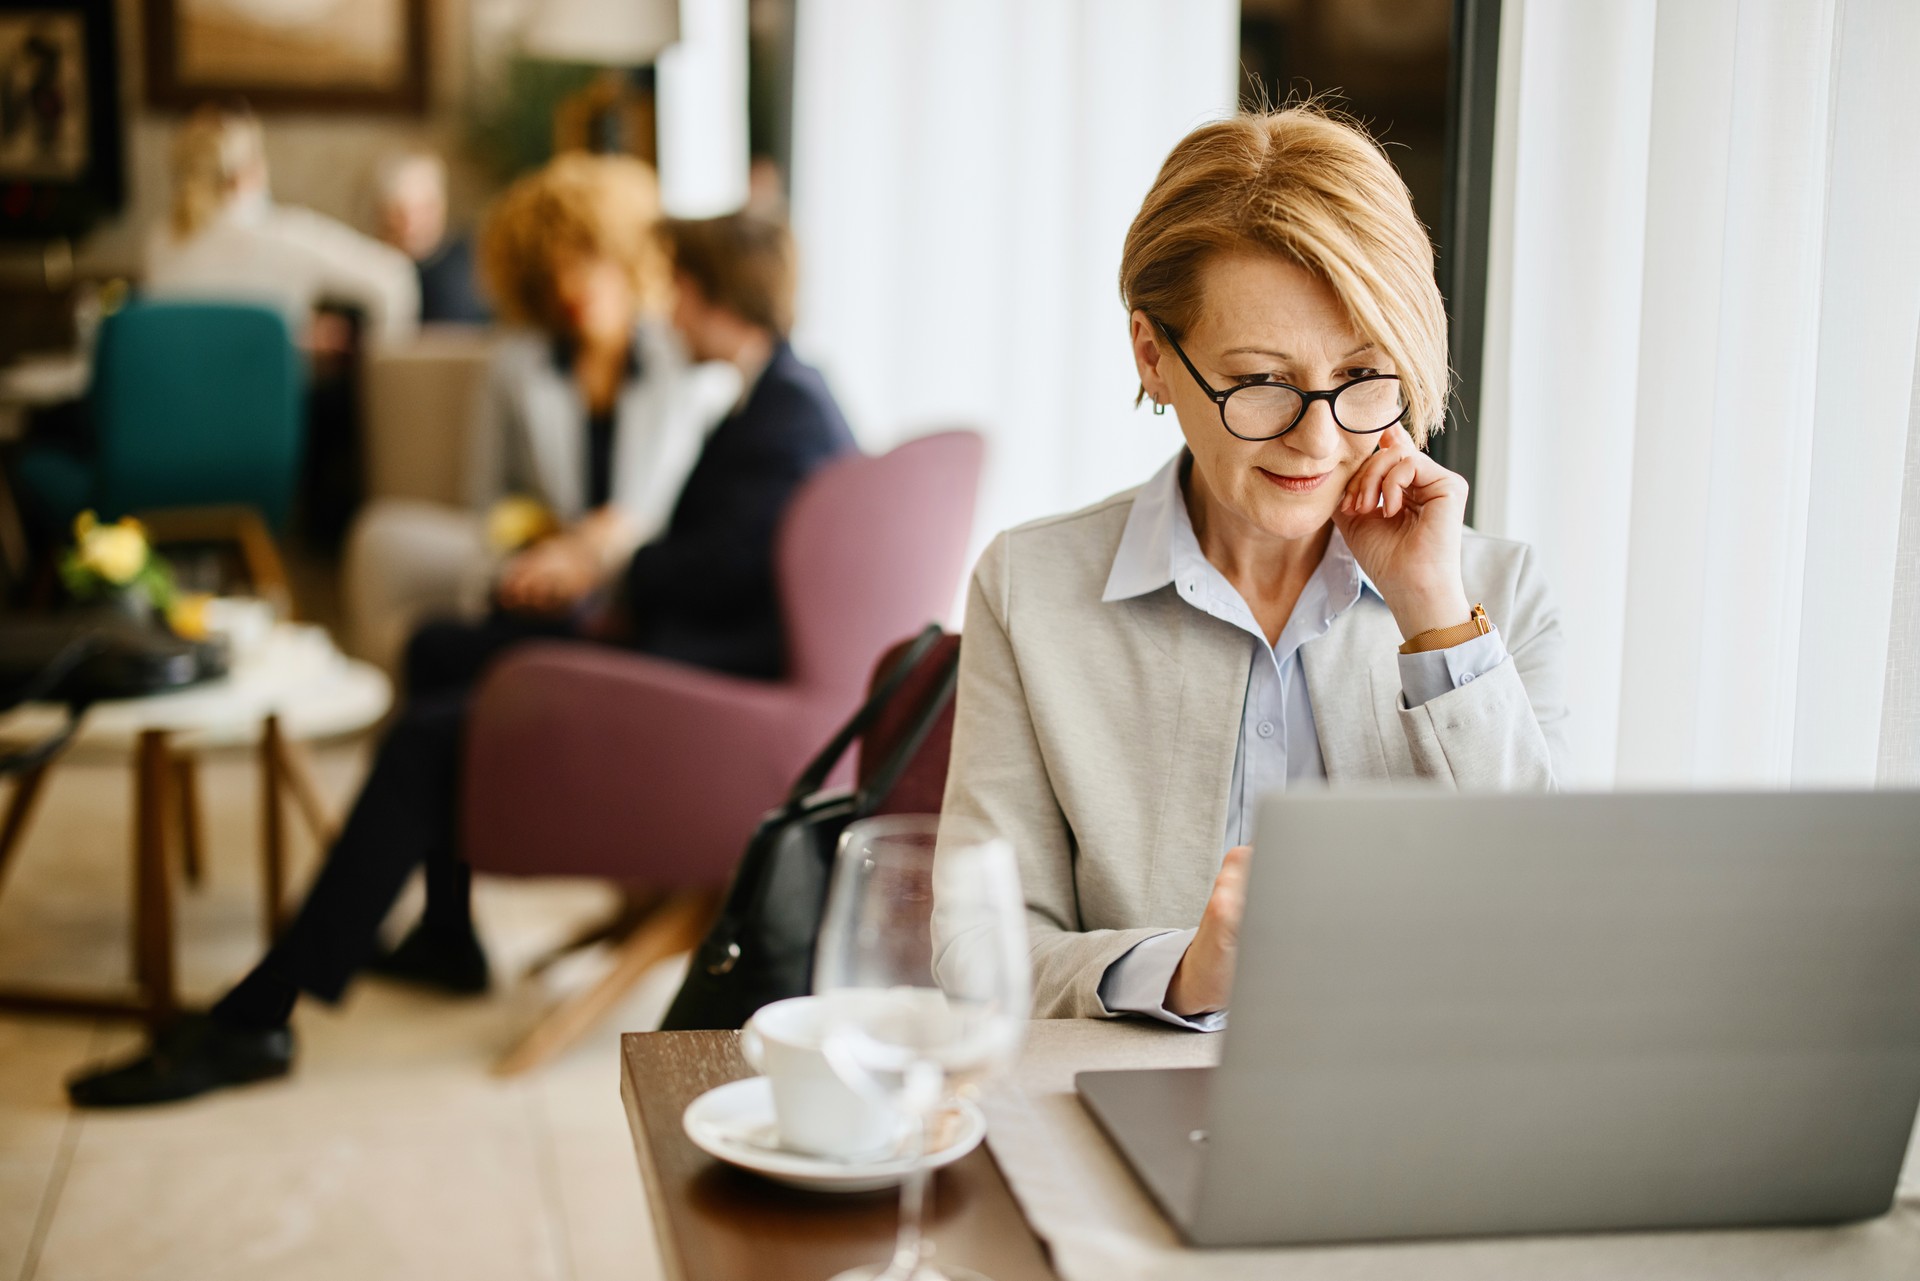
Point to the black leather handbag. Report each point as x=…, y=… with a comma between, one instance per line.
x=85, y=657
x=761, y=948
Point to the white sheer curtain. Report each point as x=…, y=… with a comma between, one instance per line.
x=1704, y=307
x=964, y=172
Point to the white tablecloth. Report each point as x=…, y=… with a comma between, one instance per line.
x=1101, y=1225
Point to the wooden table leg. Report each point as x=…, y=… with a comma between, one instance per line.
x=153, y=896
x=186, y=774
x=273, y=834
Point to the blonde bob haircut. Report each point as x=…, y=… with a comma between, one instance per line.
x=211, y=153
x=575, y=206
x=1308, y=185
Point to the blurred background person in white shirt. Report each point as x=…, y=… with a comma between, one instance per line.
x=226, y=238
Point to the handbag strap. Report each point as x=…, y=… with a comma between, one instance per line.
x=815, y=775
x=41, y=686
x=884, y=779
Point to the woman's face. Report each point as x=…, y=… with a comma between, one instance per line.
x=595, y=298
x=1263, y=317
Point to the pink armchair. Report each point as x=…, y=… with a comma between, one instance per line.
x=590, y=761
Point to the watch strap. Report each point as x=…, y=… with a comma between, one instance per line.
x=1447, y=637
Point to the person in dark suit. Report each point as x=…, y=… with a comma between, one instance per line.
x=701, y=593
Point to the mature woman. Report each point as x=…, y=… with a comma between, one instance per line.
x=1291, y=600
x=588, y=424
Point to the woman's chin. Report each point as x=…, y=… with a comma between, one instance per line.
x=1290, y=517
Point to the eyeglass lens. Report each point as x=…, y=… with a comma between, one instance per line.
x=1259, y=412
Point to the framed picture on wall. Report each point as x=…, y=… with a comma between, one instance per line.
x=288, y=55
x=61, y=164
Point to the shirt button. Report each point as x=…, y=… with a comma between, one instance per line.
x=1266, y=729
x=1466, y=678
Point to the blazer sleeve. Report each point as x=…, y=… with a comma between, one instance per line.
x=997, y=774
x=1506, y=730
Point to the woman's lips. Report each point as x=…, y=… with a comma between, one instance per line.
x=1294, y=484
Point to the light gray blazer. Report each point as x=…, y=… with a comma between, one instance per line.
x=530, y=436
x=1099, y=738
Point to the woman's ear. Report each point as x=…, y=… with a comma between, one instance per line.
x=1147, y=357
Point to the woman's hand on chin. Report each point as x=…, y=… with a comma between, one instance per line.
x=1401, y=516
x=1204, y=977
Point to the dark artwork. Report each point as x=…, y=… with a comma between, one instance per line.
x=60, y=147
x=43, y=120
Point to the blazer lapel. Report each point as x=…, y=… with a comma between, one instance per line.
x=555, y=421
x=1209, y=662
x=1350, y=670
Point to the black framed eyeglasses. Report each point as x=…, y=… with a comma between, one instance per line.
x=1267, y=411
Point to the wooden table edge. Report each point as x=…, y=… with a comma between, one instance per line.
x=669, y=1246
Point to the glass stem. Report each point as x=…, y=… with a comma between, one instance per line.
x=910, y=1245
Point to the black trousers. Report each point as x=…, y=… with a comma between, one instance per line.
x=406, y=816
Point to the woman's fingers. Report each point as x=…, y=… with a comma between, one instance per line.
x=1393, y=485
x=1364, y=492
x=1398, y=476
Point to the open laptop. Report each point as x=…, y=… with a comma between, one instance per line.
x=1464, y=1015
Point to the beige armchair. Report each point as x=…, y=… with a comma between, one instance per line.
x=416, y=550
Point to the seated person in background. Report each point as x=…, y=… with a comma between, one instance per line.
x=703, y=592
x=411, y=196
x=226, y=239
x=590, y=418
x=1292, y=600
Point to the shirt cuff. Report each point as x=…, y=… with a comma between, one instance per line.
x=1137, y=982
x=1427, y=676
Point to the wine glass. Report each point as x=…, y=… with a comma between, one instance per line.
x=936, y=944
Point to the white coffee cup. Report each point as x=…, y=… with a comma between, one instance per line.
x=815, y=1110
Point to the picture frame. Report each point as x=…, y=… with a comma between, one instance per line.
x=62, y=154
x=365, y=56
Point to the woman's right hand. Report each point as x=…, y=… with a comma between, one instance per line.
x=1204, y=977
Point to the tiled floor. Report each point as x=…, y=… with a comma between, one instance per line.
x=391, y=1153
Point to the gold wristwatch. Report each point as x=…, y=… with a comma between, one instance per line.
x=1448, y=637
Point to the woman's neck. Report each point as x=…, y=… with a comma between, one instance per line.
x=1268, y=572
x=599, y=367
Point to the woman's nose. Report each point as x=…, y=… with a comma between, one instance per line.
x=1316, y=433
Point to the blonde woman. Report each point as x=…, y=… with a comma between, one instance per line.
x=227, y=239
x=1291, y=601
x=592, y=408
x=588, y=424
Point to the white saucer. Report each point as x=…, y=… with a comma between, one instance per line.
x=734, y=1123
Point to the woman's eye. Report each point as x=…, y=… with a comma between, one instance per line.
x=1253, y=380
x=1362, y=372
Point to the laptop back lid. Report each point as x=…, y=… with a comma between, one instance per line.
x=1500, y=1014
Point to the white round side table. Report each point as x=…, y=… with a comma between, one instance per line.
x=295, y=689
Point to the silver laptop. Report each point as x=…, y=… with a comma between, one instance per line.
x=1459, y=1015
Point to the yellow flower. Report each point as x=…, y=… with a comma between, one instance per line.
x=187, y=616
x=517, y=521
x=115, y=552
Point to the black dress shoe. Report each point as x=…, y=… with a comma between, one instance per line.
x=195, y=1054
x=452, y=963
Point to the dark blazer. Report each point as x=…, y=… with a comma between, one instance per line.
x=703, y=592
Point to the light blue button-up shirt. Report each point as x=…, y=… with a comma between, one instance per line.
x=1279, y=745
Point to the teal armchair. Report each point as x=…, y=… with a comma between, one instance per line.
x=194, y=404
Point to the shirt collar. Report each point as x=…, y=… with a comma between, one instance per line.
x=1159, y=534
